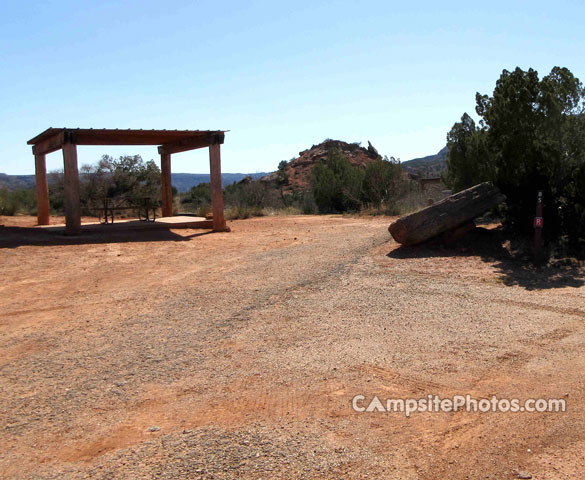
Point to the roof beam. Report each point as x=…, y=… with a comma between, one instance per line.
x=191, y=143
x=121, y=137
x=49, y=145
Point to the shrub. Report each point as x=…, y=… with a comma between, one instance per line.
x=383, y=182
x=126, y=176
x=531, y=137
x=198, y=196
x=283, y=177
x=253, y=193
x=242, y=212
x=22, y=201
x=337, y=184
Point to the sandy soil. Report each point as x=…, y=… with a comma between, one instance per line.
x=183, y=354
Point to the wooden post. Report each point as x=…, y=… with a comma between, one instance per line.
x=71, y=176
x=43, y=208
x=167, y=186
x=216, y=188
x=538, y=224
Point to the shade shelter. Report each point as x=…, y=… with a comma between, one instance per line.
x=169, y=142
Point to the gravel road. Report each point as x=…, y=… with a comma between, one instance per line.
x=237, y=355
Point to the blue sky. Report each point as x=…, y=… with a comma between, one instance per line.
x=279, y=76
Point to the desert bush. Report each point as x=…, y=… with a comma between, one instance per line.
x=411, y=199
x=414, y=199
x=283, y=177
x=307, y=202
x=242, y=212
x=126, y=176
x=468, y=160
x=197, y=196
x=282, y=211
x=204, y=210
x=383, y=182
x=253, y=193
x=56, y=182
x=13, y=202
x=337, y=184
x=7, y=204
x=246, y=198
x=531, y=137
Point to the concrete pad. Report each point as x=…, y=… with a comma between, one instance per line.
x=164, y=223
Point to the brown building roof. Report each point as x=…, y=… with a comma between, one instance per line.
x=108, y=136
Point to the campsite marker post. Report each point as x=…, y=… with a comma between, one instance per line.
x=538, y=224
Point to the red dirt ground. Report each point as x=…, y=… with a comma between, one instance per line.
x=183, y=354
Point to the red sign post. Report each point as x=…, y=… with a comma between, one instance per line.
x=538, y=224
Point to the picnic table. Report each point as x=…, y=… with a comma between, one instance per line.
x=106, y=208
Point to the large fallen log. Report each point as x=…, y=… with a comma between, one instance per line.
x=446, y=215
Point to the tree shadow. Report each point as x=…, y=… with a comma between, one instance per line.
x=488, y=244
x=13, y=237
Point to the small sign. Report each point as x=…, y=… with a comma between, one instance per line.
x=538, y=222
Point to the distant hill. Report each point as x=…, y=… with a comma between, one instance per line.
x=299, y=170
x=429, y=166
x=16, y=182
x=182, y=181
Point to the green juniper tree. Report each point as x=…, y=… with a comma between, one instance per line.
x=531, y=137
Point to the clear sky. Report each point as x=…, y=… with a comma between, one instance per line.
x=281, y=76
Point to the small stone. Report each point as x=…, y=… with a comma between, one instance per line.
x=154, y=428
x=524, y=475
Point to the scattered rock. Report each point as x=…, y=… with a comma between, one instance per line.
x=154, y=428
x=525, y=475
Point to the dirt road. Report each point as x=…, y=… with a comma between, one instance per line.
x=237, y=355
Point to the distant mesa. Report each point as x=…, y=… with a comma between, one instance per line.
x=181, y=181
x=16, y=182
x=299, y=170
x=427, y=167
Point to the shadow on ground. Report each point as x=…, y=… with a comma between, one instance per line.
x=12, y=237
x=488, y=245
